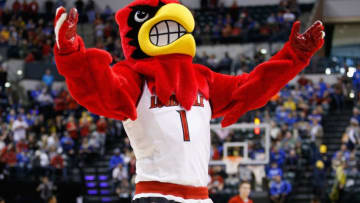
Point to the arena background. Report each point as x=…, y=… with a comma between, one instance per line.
x=314, y=120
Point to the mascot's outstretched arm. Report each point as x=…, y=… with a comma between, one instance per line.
x=111, y=92
x=232, y=96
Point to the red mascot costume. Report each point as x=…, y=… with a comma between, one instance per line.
x=164, y=100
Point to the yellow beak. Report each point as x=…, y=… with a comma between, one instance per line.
x=168, y=32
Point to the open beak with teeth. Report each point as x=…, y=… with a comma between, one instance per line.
x=168, y=32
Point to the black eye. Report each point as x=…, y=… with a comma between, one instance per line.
x=141, y=16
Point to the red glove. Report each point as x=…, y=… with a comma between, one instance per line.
x=310, y=41
x=67, y=40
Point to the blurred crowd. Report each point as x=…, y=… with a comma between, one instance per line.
x=49, y=133
x=27, y=33
x=243, y=24
x=295, y=116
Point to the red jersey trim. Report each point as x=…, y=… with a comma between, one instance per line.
x=185, y=192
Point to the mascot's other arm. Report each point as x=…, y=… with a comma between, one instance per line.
x=232, y=96
x=111, y=92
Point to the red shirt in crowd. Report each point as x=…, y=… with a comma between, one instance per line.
x=101, y=126
x=46, y=50
x=216, y=154
x=25, y=7
x=9, y=157
x=72, y=130
x=22, y=146
x=72, y=104
x=16, y=6
x=237, y=199
x=57, y=162
x=84, y=128
x=33, y=7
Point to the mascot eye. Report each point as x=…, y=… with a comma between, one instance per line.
x=141, y=16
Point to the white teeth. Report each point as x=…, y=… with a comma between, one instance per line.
x=153, y=39
x=153, y=32
x=162, y=28
x=174, y=37
x=166, y=32
x=163, y=40
x=173, y=26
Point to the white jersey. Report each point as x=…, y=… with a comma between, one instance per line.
x=170, y=144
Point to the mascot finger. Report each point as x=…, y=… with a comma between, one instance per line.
x=295, y=30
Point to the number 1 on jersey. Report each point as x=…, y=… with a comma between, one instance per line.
x=185, y=126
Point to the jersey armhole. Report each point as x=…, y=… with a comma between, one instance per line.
x=211, y=108
x=142, y=90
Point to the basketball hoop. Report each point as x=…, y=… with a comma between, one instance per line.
x=232, y=163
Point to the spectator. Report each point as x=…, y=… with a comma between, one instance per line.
x=274, y=171
x=279, y=190
x=16, y=7
x=119, y=174
x=19, y=129
x=84, y=124
x=86, y=151
x=33, y=7
x=71, y=128
x=101, y=127
x=291, y=161
x=23, y=162
x=44, y=161
x=277, y=155
x=9, y=157
x=356, y=79
x=217, y=180
x=67, y=144
x=324, y=157
x=289, y=16
x=316, y=132
x=337, y=98
x=124, y=190
x=79, y=4
x=90, y=11
x=58, y=166
x=22, y=145
x=46, y=189
x=352, y=134
x=244, y=193
x=108, y=11
x=344, y=153
x=245, y=174
x=116, y=159
x=46, y=103
x=319, y=182
x=337, y=191
x=48, y=79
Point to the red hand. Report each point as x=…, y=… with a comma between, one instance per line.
x=65, y=30
x=310, y=41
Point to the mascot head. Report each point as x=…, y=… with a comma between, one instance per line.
x=156, y=27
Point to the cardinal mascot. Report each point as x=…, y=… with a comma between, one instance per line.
x=166, y=101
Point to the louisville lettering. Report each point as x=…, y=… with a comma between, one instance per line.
x=156, y=103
